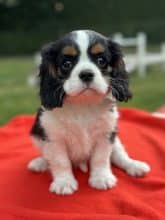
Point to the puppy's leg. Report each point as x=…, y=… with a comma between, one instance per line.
x=64, y=182
x=101, y=176
x=38, y=164
x=121, y=159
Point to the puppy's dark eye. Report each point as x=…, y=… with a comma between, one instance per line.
x=101, y=61
x=67, y=65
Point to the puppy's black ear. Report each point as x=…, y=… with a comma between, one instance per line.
x=119, y=76
x=51, y=87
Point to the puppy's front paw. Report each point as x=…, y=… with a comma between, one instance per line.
x=102, y=180
x=64, y=185
x=138, y=168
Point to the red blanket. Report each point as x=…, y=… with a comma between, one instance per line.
x=24, y=195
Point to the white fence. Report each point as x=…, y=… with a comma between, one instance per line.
x=141, y=59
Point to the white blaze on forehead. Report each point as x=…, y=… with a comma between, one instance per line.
x=82, y=40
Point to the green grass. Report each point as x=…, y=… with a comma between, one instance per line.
x=16, y=97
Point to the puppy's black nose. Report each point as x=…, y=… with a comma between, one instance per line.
x=86, y=76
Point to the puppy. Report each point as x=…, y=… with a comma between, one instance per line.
x=81, y=77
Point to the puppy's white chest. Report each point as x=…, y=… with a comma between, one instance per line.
x=79, y=128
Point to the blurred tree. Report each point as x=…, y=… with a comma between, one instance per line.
x=26, y=24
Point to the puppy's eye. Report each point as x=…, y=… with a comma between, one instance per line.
x=67, y=64
x=101, y=61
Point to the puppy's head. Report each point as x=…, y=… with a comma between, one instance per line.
x=83, y=65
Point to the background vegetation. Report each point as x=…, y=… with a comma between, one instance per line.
x=26, y=25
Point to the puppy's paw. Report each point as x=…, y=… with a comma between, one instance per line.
x=39, y=164
x=102, y=180
x=138, y=168
x=64, y=185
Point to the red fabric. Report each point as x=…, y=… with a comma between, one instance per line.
x=24, y=195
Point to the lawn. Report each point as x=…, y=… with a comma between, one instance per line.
x=17, y=97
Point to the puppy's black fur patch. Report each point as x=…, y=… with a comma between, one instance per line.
x=113, y=136
x=51, y=89
x=37, y=130
x=52, y=75
x=119, y=76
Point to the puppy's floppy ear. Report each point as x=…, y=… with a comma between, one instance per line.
x=119, y=76
x=51, y=87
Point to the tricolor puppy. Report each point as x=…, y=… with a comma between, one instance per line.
x=81, y=77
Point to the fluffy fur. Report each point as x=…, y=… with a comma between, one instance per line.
x=82, y=75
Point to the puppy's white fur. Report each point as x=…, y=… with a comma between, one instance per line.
x=79, y=132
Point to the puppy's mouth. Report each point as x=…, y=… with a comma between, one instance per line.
x=87, y=95
x=88, y=91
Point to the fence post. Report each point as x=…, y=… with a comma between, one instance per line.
x=163, y=55
x=118, y=38
x=141, y=53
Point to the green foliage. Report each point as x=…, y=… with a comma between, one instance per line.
x=27, y=25
x=16, y=97
x=21, y=42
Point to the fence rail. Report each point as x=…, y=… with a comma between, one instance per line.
x=141, y=59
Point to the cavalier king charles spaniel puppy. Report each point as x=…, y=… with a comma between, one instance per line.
x=82, y=75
